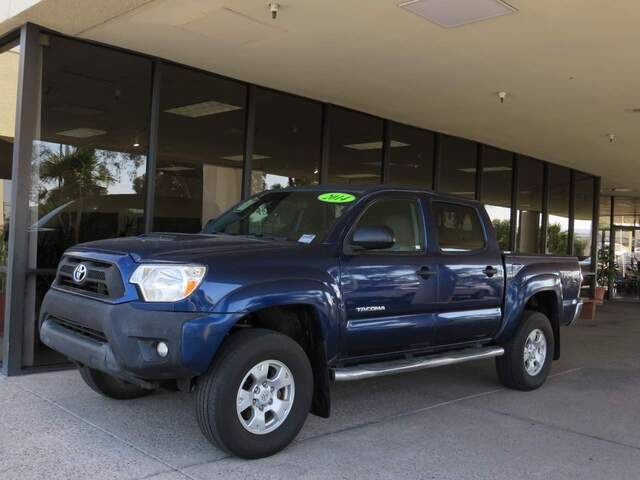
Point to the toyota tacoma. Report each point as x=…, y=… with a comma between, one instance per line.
x=294, y=289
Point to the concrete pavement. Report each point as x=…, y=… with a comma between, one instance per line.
x=449, y=423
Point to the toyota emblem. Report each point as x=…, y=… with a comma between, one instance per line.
x=80, y=273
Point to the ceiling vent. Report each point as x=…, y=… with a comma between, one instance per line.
x=454, y=13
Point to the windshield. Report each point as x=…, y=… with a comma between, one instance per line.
x=303, y=217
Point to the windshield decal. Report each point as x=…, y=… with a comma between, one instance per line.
x=336, y=197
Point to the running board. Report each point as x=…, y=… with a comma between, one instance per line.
x=369, y=370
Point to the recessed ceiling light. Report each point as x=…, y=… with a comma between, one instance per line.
x=454, y=13
x=136, y=145
x=81, y=132
x=376, y=145
x=202, y=109
x=355, y=176
x=240, y=158
x=77, y=110
x=175, y=168
x=485, y=169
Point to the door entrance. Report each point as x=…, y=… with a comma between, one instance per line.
x=626, y=282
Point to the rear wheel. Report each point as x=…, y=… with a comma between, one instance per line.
x=527, y=358
x=255, y=398
x=110, y=386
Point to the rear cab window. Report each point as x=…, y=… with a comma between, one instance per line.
x=459, y=228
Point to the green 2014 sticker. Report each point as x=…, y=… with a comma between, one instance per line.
x=336, y=197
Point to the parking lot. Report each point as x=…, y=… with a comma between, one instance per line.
x=448, y=423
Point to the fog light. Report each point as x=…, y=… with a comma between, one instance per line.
x=162, y=349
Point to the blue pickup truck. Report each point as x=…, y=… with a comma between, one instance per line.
x=294, y=289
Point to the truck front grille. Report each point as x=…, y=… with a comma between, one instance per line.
x=103, y=280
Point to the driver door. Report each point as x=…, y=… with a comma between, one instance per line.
x=389, y=293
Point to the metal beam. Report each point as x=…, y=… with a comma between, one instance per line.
x=594, y=234
x=515, y=186
x=572, y=210
x=27, y=121
x=249, y=137
x=545, y=209
x=386, y=151
x=152, y=155
x=479, y=168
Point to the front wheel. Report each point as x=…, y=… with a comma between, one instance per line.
x=527, y=357
x=256, y=396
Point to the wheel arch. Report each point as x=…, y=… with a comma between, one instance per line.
x=541, y=293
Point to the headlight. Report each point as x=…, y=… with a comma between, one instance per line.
x=167, y=283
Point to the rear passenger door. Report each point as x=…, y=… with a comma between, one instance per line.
x=389, y=293
x=470, y=272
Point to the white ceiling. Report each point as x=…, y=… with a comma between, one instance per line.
x=570, y=67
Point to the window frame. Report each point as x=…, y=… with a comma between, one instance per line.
x=347, y=248
x=480, y=218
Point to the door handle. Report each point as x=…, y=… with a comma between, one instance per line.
x=489, y=271
x=426, y=272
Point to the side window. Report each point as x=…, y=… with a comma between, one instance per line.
x=459, y=228
x=403, y=216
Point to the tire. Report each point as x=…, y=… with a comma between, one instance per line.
x=511, y=368
x=110, y=386
x=219, y=390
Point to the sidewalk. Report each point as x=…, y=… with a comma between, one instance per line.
x=449, y=423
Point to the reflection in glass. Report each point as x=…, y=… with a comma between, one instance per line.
x=411, y=157
x=458, y=166
x=626, y=211
x=90, y=157
x=583, y=217
x=9, y=59
x=558, y=219
x=200, y=148
x=287, y=141
x=356, y=147
x=497, y=175
x=529, y=207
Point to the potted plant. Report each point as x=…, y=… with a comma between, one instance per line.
x=607, y=270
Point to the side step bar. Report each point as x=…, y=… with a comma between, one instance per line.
x=369, y=370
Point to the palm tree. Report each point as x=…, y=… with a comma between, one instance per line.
x=78, y=174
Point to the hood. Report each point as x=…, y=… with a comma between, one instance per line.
x=181, y=246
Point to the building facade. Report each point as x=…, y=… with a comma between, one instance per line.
x=97, y=142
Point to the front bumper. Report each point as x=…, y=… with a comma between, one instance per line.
x=574, y=309
x=120, y=339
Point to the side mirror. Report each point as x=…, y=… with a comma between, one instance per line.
x=373, y=238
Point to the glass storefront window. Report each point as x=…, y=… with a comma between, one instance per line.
x=558, y=218
x=458, y=161
x=200, y=148
x=9, y=59
x=410, y=157
x=288, y=136
x=356, y=147
x=529, y=207
x=626, y=247
x=626, y=211
x=583, y=217
x=89, y=160
x=497, y=180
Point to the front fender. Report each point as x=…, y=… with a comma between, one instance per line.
x=205, y=335
x=518, y=294
x=322, y=297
